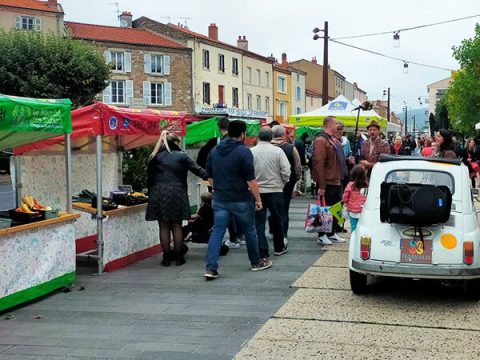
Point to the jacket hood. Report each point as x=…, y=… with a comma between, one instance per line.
x=278, y=141
x=227, y=145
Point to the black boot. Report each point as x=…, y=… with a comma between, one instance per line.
x=167, y=258
x=179, y=258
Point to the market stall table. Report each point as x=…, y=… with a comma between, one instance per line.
x=36, y=258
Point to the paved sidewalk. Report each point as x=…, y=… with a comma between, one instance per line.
x=146, y=311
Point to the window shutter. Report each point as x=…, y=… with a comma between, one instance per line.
x=166, y=65
x=128, y=62
x=167, y=94
x=147, y=64
x=147, y=93
x=18, y=22
x=108, y=56
x=129, y=92
x=38, y=24
x=107, y=94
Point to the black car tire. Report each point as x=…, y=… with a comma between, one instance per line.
x=471, y=289
x=358, y=282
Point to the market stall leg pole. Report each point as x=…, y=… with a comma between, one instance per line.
x=68, y=166
x=18, y=181
x=99, y=205
x=120, y=168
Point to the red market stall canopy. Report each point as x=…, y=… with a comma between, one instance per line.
x=129, y=128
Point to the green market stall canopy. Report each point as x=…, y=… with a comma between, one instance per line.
x=26, y=120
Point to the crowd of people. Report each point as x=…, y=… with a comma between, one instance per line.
x=251, y=187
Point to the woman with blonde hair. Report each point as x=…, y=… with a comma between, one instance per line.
x=168, y=204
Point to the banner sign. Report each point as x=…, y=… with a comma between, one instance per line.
x=234, y=112
x=338, y=105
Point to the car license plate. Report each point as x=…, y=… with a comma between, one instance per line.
x=416, y=251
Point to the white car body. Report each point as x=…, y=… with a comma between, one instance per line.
x=447, y=262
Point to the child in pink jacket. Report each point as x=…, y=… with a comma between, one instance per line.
x=355, y=194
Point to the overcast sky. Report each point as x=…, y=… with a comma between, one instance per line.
x=273, y=27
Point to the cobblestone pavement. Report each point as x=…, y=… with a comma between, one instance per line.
x=146, y=311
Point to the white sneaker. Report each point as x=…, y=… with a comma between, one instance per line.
x=324, y=240
x=232, y=245
x=336, y=238
x=241, y=240
x=285, y=241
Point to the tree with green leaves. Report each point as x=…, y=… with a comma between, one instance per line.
x=36, y=65
x=463, y=96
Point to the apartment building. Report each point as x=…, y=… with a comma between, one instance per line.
x=148, y=70
x=436, y=91
x=257, y=80
x=282, y=91
x=227, y=79
x=359, y=94
x=32, y=15
x=299, y=99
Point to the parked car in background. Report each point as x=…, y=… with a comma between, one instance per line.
x=418, y=222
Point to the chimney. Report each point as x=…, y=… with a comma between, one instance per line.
x=271, y=57
x=242, y=43
x=126, y=19
x=52, y=4
x=314, y=60
x=213, y=31
x=284, y=60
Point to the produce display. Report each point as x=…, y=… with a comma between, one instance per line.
x=31, y=210
x=122, y=198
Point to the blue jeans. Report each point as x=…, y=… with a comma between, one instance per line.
x=244, y=213
x=353, y=224
x=273, y=202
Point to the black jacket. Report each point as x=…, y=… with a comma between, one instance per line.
x=172, y=168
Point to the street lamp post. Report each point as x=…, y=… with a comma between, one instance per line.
x=406, y=118
x=388, y=103
x=325, y=60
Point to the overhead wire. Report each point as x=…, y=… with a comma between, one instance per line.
x=406, y=29
x=390, y=57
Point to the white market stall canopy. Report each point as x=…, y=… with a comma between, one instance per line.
x=344, y=110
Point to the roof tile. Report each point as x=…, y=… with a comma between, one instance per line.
x=119, y=35
x=30, y=4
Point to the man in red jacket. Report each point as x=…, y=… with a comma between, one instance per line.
x=328, y=162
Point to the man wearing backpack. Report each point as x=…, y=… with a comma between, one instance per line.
x=293, y=157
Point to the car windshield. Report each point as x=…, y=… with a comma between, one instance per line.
x=421, y=177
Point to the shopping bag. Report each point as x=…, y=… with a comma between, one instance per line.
x=337, y=211
x=319, y=218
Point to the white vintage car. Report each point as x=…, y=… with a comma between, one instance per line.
x=418, y=222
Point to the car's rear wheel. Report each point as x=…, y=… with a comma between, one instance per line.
x=471, y=289
x=358, y=282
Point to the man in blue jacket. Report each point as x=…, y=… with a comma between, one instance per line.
x=231, y=173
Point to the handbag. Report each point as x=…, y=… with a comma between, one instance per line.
x=319, y=218
x=475, y=166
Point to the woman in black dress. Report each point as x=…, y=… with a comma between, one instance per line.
x=168, y=204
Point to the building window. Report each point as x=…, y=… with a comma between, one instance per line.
x=234, y=66
x=259, y=80
x=282, y=84
x=282, y=108
x=221, y=63
x=156, y=94
x=267, y=78
x=249, y=101
x=249, y=74
x=206, y=93
x=28, y=23
x=206, y=59
x=259, y=103
x=118, y=91
x=299, y=111
x=298, y=93
x=235, y=97
x=267, y=104
x=156, y=64
x=117, y=61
